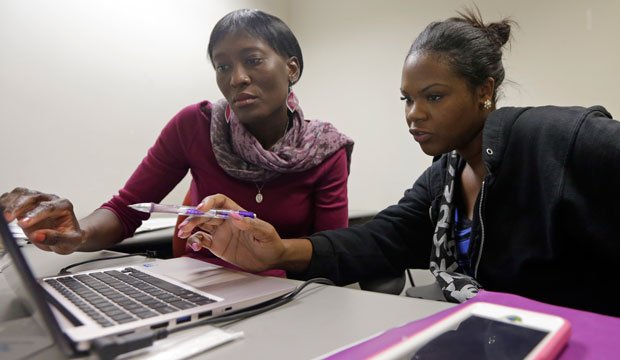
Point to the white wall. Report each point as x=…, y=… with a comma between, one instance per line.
x=563, y=53
x=86, y=85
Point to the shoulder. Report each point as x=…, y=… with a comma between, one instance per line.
x=326, y=131
x=531, y=132
x=192, y=118
x=332, y=168
x=532, y=124
x=551, y=118
x=190, y=122
x=201, y=110
x=432, y=180
x=337, y=158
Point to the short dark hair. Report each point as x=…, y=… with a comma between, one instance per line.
x=473, y=49
x=264, y=26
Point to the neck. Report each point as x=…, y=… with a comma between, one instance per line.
x=472, y=154
x=271, y=130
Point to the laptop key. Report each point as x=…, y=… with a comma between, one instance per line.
x=135, y=306
x=182, y=304
x=107, y=307
x=122, y=318
x=124, y=302
x=166, y=310
x=114, y=313
x=203, y=301
x=105, y=323
x=158, y=293
x=126, y=320
x=167, y=297
x=158, y=305
x=193, y=297
x=186, y=293
x=138, y=310
x=146, y=314
x=99, y=302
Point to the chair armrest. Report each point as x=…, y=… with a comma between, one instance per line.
x=429, y=292
x=387, y=285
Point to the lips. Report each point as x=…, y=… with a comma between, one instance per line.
x=420, y=135
x=244, y=99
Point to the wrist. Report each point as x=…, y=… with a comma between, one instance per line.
x=83, y=239
x=296, y=255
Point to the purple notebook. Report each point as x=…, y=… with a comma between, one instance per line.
x=593, y=336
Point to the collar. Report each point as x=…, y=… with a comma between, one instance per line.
x=495, y=135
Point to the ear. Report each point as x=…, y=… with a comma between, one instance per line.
x=486, y=90
x=292, y=65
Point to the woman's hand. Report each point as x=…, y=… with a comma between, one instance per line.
x=252, y=244
x=47, y=220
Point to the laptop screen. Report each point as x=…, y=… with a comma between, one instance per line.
x=29, y=290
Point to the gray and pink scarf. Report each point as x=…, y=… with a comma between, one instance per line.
x=305, y=145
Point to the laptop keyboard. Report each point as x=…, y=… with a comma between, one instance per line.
x=118, y=297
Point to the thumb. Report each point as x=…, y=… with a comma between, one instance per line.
x=61, y=242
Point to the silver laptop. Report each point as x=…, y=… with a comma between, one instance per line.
x=82, y=307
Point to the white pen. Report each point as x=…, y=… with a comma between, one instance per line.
x=188, y=210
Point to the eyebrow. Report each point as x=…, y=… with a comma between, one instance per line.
x=430, y=86
x=244, y=51
x=426, y=88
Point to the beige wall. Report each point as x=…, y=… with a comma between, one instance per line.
x=86, y=85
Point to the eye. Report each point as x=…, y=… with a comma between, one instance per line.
x=221, y=68
x=434, y=97
x=406, y=99
x=254, y=60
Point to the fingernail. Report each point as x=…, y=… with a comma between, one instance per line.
x=200, y=205
x=185, y=222
x=7, y=215
x=26, y=220
x=195, y=247
x=180, y=233
x=235, y=215
x=40, y=237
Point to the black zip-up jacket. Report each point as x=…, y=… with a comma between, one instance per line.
x=546, y=223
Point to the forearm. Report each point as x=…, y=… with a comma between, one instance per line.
x=102, y=230
x=297, y=255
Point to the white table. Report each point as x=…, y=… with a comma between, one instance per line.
x=321, y=319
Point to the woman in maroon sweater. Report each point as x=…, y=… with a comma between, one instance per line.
x=254, y=145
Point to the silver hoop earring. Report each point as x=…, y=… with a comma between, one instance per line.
x=487, y=104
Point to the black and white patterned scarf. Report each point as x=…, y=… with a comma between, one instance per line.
x=456, y=286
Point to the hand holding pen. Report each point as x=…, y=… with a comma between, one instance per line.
x=189, y=211
x=247, y=242
x=229, y=216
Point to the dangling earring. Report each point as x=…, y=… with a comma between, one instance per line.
x=291, y=100
x=487, y=104
x=227, y=114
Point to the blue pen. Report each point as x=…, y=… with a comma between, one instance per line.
x=188, y=210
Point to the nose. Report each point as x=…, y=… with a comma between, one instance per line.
x=415, y=113
x=239, y=77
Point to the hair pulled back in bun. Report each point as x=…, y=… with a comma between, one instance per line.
x=473, y=48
